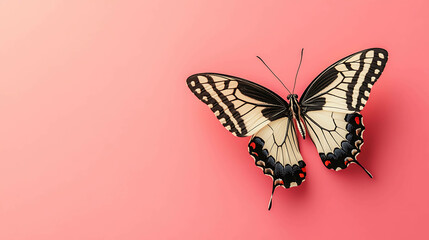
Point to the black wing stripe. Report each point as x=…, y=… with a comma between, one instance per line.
x=229, y=116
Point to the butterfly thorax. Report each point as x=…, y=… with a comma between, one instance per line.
x=295, y=109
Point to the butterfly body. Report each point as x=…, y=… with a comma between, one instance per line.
x=328, y=111
x=296, y=111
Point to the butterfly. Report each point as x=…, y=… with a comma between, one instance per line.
x=328, y=111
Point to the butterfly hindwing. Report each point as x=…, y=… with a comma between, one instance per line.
x=243, y=107
x=337, y=136
x=345, y=85
x=275, y=149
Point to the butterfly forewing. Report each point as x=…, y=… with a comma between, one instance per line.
x=243, y=107
x=345, y=85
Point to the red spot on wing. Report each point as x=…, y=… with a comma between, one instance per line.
x=303, y=169
x=301, y=175
x=253, y=145
x=256, y=154
x=357, y=120
x=327, y=163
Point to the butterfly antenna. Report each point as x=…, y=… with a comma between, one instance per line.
x=300, y=61
x=367, y=172
x=272, y=72
x=271, y=198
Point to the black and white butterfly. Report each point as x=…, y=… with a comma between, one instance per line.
x=328, y=111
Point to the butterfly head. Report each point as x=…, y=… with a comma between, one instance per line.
x=293, y=101
x=295, y=96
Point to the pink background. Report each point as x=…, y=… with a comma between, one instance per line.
x=100, y=138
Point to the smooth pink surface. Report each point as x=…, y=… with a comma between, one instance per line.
x=100, y=138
